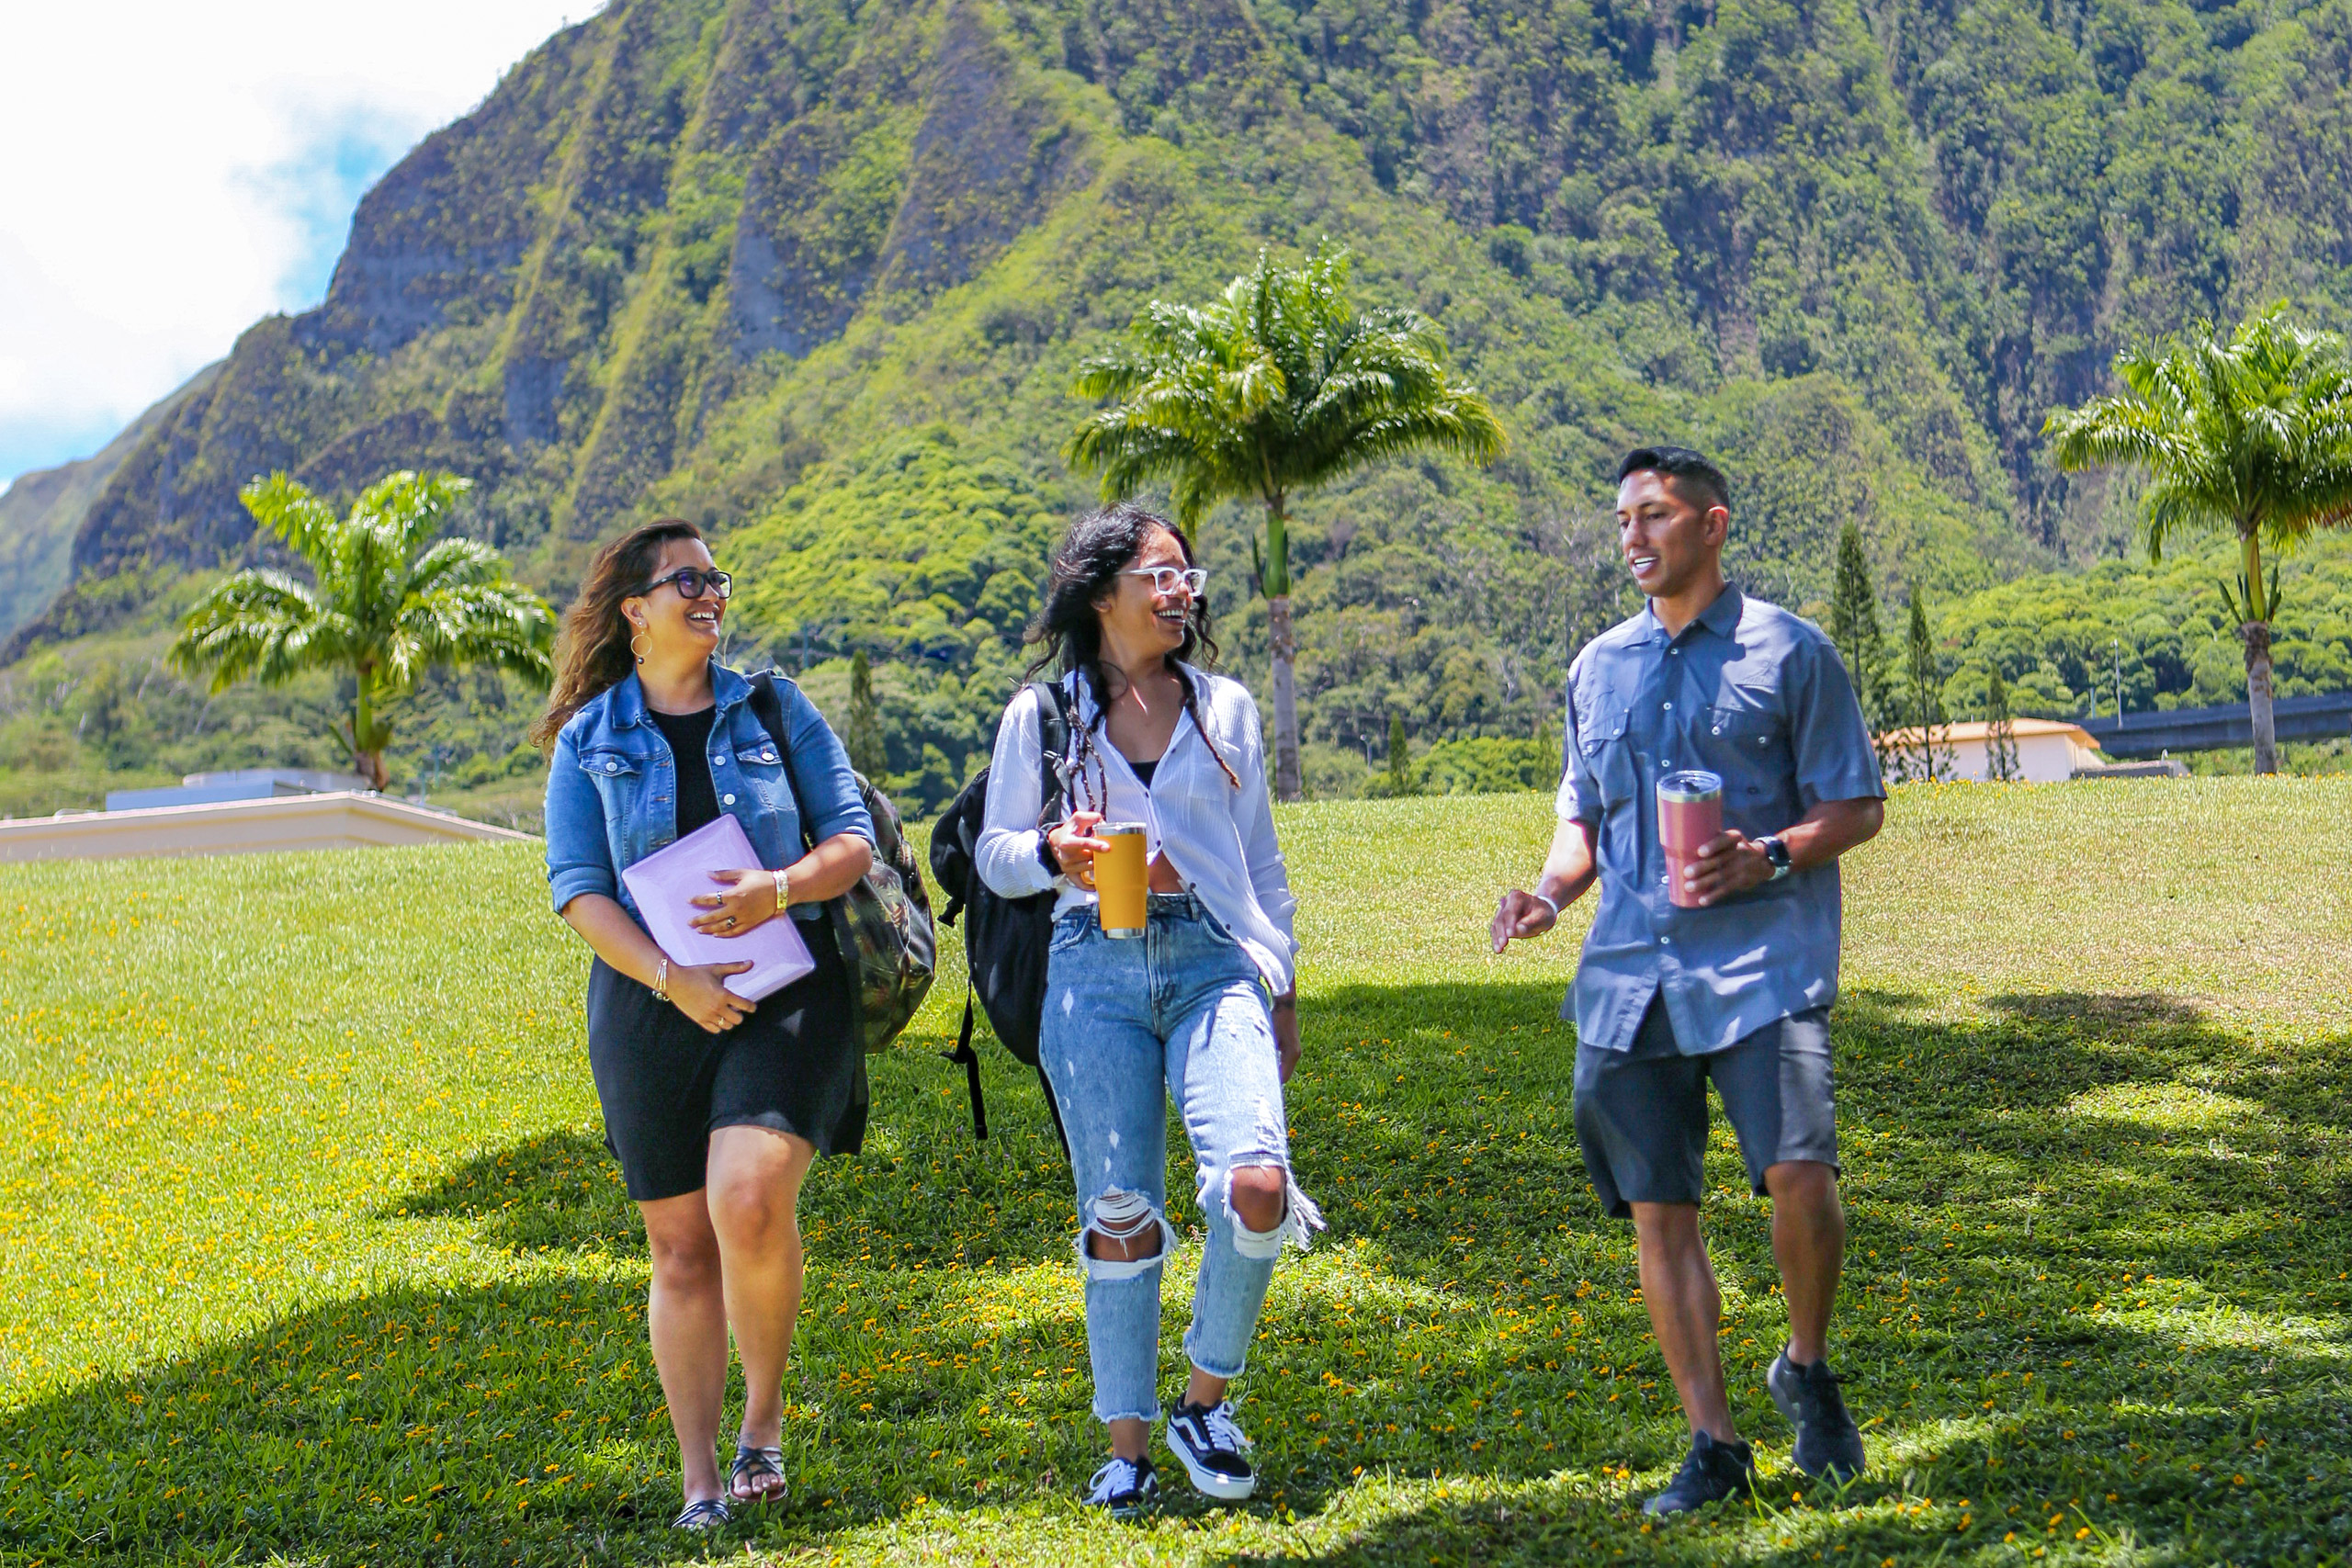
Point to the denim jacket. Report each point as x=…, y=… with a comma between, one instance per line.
x=613, y=786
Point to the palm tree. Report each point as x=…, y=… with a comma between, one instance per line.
x=390, y=603
x=1276, y=386
x=2253, y=434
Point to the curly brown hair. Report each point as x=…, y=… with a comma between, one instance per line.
x=591, y=653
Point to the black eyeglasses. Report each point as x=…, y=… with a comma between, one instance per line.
x=692, y=579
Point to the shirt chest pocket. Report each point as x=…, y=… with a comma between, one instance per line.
x=761, y=767
x=1749, y=747
x=621, y=779
x=615, y=772
x=1194, y=777
x=1601, y=741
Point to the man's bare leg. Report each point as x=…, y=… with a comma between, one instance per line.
x=1686, y=1310
x=1809, y=1243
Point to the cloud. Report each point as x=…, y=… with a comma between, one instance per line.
x=177, y=172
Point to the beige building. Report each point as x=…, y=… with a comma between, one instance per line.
x=2049, y=751
x=342, y=820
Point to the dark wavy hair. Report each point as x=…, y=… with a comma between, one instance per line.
x=591, y=653
x=1068, y=632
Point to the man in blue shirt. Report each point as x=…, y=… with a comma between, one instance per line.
x=1734, y=984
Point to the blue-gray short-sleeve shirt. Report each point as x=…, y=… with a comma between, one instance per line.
x=1760, y=696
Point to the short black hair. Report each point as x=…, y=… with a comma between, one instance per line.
x=1687, y=474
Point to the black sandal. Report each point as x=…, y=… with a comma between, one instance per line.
x=760, y=1465
x=709, y=1514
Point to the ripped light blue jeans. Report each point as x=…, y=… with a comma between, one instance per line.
x=1127, y=1024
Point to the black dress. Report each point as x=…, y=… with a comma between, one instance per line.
x=666, y=1084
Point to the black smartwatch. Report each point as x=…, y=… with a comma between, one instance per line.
x=1778, y=853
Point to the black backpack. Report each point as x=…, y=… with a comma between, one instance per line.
x=1005, y=940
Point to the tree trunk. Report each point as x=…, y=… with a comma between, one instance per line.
x=1286, y=782
x=2256, y=635
x=366, y=745
x=1273, y=581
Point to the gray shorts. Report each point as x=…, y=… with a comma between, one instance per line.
x=1642, y=1112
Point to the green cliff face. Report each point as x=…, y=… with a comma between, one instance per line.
x=817, y=276
x=42, y=512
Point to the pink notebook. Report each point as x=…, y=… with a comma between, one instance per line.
x=665, y=883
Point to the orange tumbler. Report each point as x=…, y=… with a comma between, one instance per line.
x=1121, y=880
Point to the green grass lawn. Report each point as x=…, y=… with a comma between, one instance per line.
x=315, y=1256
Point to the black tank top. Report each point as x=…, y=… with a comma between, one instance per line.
x=689, y=737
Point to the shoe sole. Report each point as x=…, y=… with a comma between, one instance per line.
x=1834, y=1471
x=1223, y=1488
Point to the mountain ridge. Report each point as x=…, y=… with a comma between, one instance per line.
x=758, y=264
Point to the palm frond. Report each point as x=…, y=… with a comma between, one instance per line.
x=411, y=508
x=1275, y=385
x=454, y=562
x=2252, y=433
x=259, y=624
x=299, y=519
x=497, y=623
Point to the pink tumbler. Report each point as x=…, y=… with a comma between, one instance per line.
x=1689, y=812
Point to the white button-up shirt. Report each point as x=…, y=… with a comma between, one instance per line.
x=1220, y=839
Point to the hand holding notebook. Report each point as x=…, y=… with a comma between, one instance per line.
x=664, y=885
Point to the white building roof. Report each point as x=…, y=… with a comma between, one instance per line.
x=341, y=821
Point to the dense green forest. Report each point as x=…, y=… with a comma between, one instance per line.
x=818, y=276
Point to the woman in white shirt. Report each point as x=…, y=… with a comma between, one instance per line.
x=1203, y=1005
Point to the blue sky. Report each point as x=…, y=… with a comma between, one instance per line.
x=176, y=172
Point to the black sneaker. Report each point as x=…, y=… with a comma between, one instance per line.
x=1125, y=1487
x=1211, y=1445
x=1828, y=1443
x=1711, y=1471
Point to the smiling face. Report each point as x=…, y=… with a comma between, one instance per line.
x=1668, y=543
x=1137, y=616
x=677, y=629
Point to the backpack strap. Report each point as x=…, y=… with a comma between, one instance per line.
x=969, y=1060
x=1053, y=748
x=768, y=708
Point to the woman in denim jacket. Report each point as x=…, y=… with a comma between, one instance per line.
x=1202, y=1005
x=716, y=1106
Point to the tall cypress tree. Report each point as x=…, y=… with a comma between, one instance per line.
x=1854, y=627
x=2000, y=735
x=867, y=753
x=1929, y=755
x=1400, y=774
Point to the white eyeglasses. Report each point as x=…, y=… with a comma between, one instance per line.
x=1164, y=579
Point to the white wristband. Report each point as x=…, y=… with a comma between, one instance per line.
x=1547, y=904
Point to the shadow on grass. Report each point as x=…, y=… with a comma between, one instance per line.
x=2096, y=1245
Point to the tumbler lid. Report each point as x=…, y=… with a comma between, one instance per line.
x=1690, y=784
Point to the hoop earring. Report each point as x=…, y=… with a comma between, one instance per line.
x=634, y=641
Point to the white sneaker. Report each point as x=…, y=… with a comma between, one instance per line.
x=1211, y=1445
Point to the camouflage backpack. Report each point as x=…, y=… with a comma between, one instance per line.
x=889, y=945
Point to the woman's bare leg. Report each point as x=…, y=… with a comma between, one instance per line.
x=686, y=1315
x=755, y=1176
